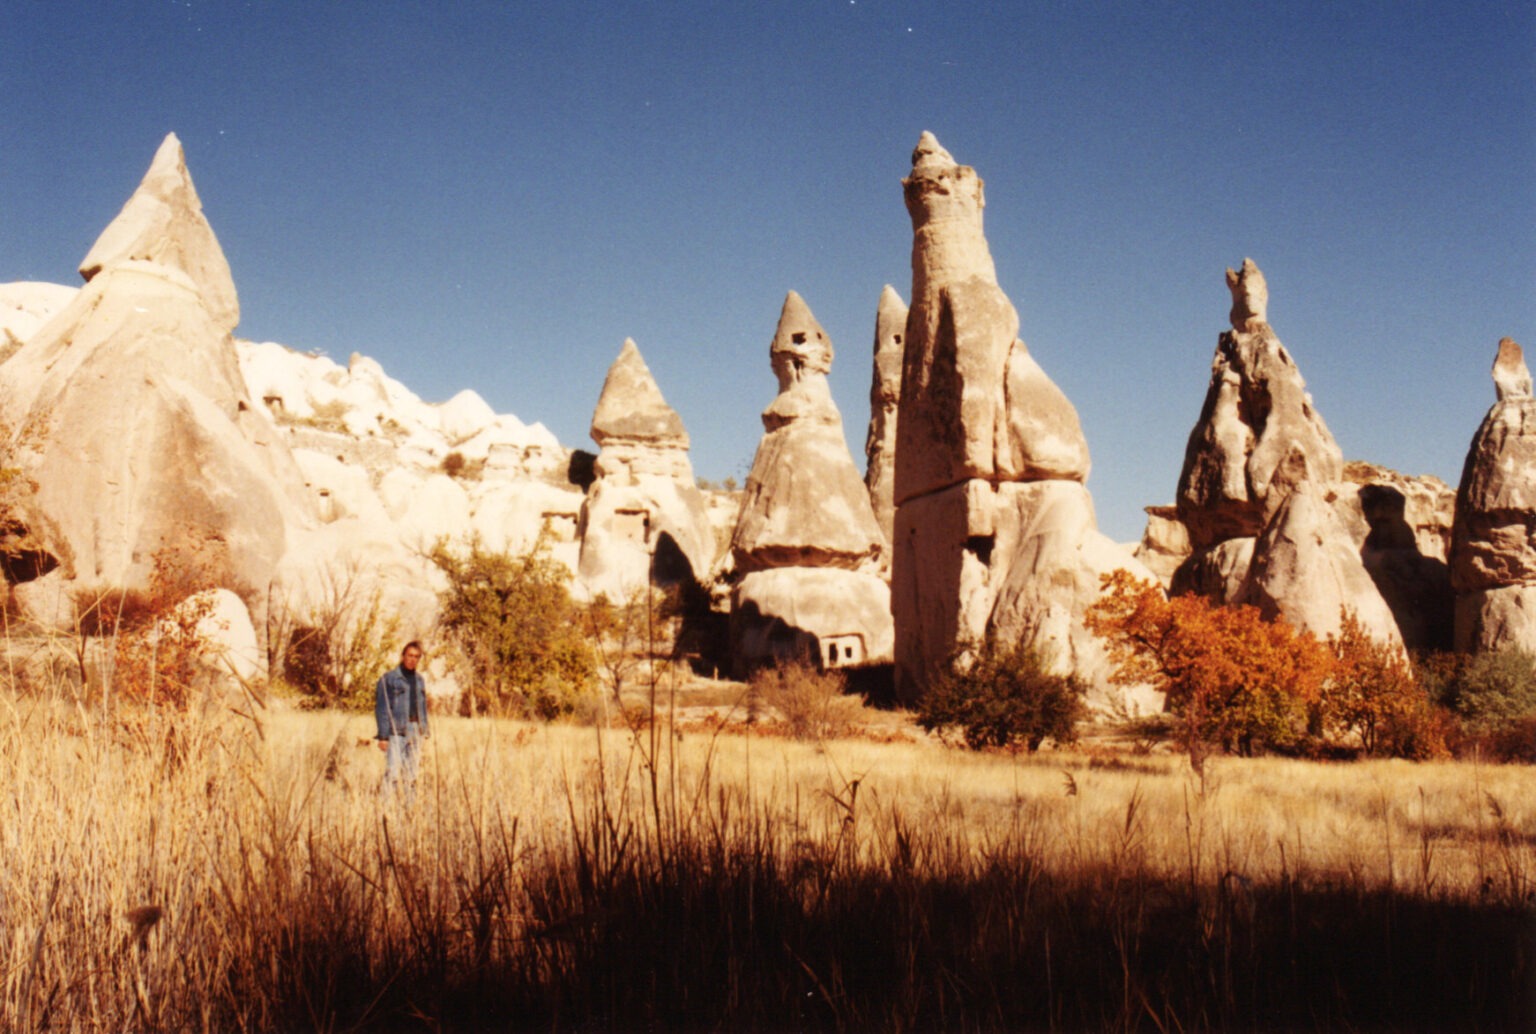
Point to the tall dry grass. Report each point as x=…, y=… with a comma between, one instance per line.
x=214, y=871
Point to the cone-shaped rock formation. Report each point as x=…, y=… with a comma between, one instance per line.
x=644, y=520
x=1258, y=435
x=1493, y=549
x=806, y=543
x=145, y=441
x=1261, y=486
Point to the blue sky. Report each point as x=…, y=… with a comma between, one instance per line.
x=495, y=195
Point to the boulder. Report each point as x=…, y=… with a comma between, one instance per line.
x=644, y=520
x=1493, y=550
x=884, y=394
x=1402, y=527
x=1164, y=544
x=840, y=618
x=24, y=307
x=1258, y=435
x=974, y=403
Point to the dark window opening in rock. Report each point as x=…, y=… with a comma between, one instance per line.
x=798, y=337
x=668, y=564
x=582, y=470
x=980, y=546
x=843, y=650
x=896, y=338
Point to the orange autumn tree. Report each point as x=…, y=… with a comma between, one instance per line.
x=1235, y=681
x=1373, y=695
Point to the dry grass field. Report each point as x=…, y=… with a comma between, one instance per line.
x=232, y=872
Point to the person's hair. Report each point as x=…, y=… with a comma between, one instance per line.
x=413, y=644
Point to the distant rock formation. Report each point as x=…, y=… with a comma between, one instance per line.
x=1493, y=552
x=1259, y=493
x=644, y=520
x=806, y=547
x=143, y=438
x=884, y=394
x=994, y=532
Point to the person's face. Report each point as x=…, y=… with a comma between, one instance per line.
x=410, y=659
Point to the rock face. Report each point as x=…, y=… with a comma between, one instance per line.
x=1306, y=570
x=1402, y=526
x=144, y=438
x=884, y=394
x=807, y=547
x=994, y=533
x=644, y=520
x=1493, y=552
x=1261, y=494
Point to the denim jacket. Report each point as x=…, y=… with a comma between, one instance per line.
x=399, y=694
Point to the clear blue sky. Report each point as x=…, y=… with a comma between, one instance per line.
x=495, y=195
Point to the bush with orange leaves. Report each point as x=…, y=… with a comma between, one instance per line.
x=1234, y=681
x=1373, y=695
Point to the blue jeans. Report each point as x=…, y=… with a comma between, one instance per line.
x=402, y=757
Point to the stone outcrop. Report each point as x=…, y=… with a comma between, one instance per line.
x=806, y=547
x=644, y=520
x=143, y=439
x=994, y=533
x=884, y=394
x=1493, y=552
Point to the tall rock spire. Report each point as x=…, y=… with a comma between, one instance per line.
x=884, y=395
x=994, y=534
x=1493, y=545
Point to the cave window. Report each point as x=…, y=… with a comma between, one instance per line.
x=980, y=546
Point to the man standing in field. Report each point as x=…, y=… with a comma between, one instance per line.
x=400, y=706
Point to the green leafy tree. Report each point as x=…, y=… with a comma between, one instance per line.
x=513, y=620
x=1005, y=695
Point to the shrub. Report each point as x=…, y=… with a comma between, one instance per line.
x=453, y=464
x=1004, y=696
x=810, y=701
x=341, y=642
x=1494, y=689
x=514, y=623
x=156, y=635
